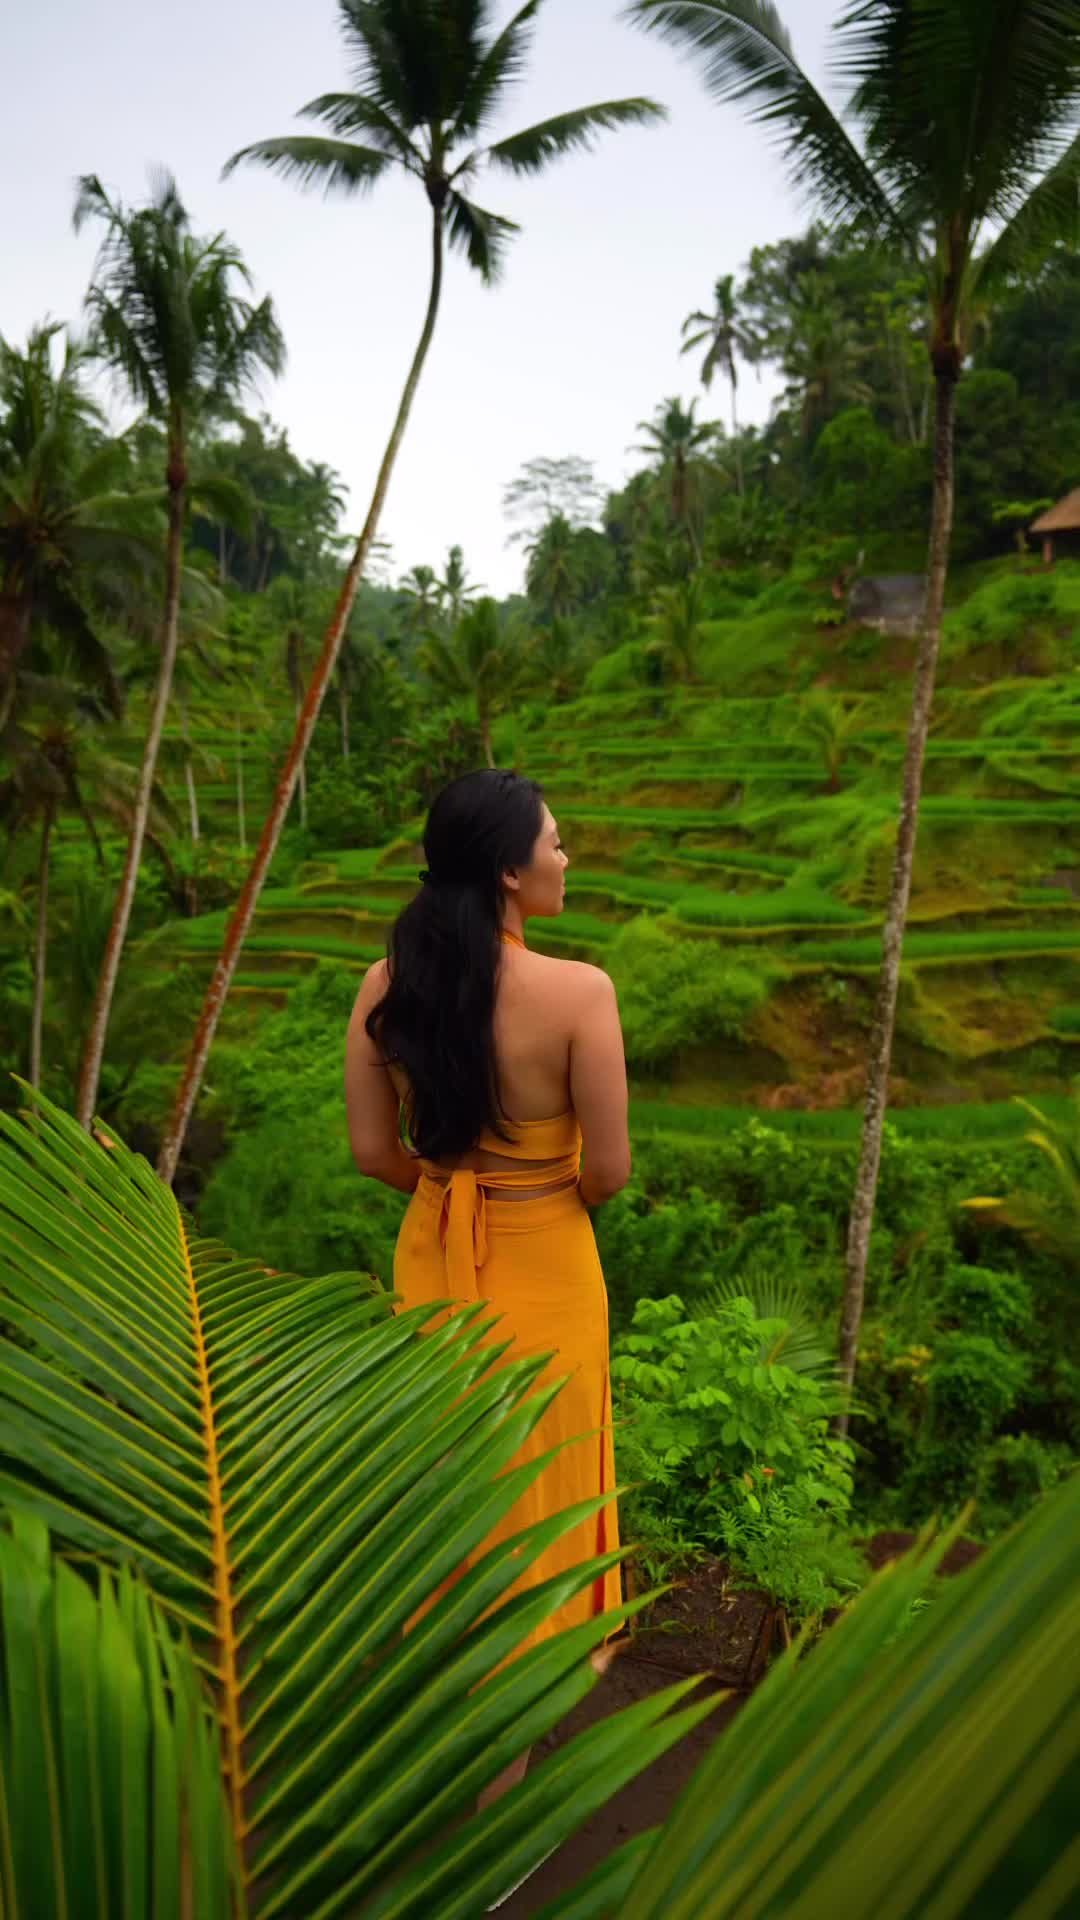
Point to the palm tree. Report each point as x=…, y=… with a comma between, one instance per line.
x=455, y=590
x=420, y=587
x=970, y=164
x=478, y=661
x=552, y=573
x=728, y=342
x=676, y=626
x=57, y=767
x=823, y=721
x=554, y=660
x=166, y=318
x=70, y=522
x=823, y=355
x=429, y=82
x=676, y=440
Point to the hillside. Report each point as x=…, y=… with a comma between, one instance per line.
x=753, y=825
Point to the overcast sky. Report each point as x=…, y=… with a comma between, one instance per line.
x=578, y=342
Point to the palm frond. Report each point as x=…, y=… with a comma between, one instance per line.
x=746, y=55
x=501, y=65
x=66, y=615
x=1050, y=215
x=109, y=1759
x=964, y=105
x=795, y=1338
x=294, y=1471
x=347, y=113
x=166, y=314
x=532, y=149
x=223, y=500
x=338, y=166
x=481, y=236
x=908, y=1767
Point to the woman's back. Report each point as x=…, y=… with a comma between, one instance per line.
x=546, y=1013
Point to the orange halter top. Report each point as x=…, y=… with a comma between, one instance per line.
x=463, y=1217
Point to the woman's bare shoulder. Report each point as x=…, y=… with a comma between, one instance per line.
x=372, y=987
x=575, y=977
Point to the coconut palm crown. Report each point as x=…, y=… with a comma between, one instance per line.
x=430, y=79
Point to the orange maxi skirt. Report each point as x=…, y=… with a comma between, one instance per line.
x=534, y=1262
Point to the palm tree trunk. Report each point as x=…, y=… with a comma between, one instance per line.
x=241, y=816
x=94, y=1047
x=244, y=911
x=485, y=731
x=740, y=487
x=193, y=802
x=343, y=708
x=40, y=946
x=301, y=780
x=881, y=1035
x=15, y=613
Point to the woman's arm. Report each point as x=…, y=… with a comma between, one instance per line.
x=598, y=1087
x=371, y=1102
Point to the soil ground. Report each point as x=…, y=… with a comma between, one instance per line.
x=705, y=1627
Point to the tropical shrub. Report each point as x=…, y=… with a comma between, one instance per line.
x=627, y=667
x=972, y=1383
x=733, y=1451
x=676, y=993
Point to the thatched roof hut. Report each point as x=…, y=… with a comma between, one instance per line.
x=1062, y=519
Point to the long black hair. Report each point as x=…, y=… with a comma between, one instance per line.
x=444, y=949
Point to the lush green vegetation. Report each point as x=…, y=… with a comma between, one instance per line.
x=358, y=1460
x=729, y=818
x=698, y=670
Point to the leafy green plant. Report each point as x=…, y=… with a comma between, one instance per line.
x=734, y=1449
x=109, y=1758
x=795, y=1337
x=972, y=1383
x=1052, y=1224
x=674, y=993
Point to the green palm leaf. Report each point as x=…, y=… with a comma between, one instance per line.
x=108, y=1755
x=503, y=63
x=356, y=113
x=926, y=1774
x=481, y=236
x=338, y=166
x=795, y=1340
x=1051, y=213
x=746, y=55
x=530, y=150
x=294, y=1472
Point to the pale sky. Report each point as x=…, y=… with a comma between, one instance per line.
x=578, y=342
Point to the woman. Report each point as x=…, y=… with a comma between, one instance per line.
x=505, y=1063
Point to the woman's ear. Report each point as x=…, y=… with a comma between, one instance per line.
x=511, y=880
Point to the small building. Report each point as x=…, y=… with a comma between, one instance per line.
x=893, y=603
x=1059, y=527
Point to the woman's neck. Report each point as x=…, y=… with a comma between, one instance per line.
x=513, y=926
x=512, y=939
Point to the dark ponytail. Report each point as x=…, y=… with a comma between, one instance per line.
x=444, y=949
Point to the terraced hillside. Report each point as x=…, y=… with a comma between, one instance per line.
x=717, y=818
